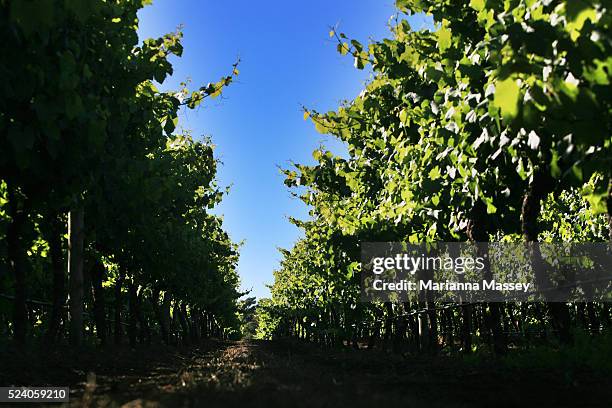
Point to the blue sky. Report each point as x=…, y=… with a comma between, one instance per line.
x=288, y=60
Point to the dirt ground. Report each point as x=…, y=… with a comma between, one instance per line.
x=282, y=374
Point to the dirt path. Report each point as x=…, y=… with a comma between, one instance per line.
x=280, y=374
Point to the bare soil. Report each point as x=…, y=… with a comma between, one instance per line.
x=289, y=374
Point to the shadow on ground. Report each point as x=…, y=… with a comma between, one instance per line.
x=281, y=374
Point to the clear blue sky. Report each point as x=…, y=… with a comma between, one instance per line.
x=288, y=60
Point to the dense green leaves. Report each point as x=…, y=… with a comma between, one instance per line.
x=82, y=125
x=457, y=125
